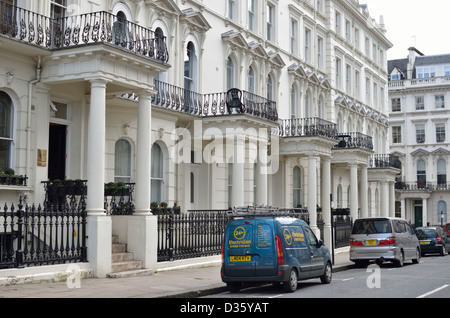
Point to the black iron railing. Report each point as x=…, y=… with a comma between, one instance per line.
x=72, y=31
x=354, y=140
x=34, y=236
x=194, y=234
x=179, y=99
x=307, y=127
x=384, y=161
x=422, y=186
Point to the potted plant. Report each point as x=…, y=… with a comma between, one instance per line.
x=3, y=177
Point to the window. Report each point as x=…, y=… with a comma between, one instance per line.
x=293, y=102
x=396, y=134
x=368, y=90
x=6, y=120
x=348, y=79
x=320, y=53
x=270, y=22
x=420, y=103
x=367, y=46
x=59, y=110
x=426, y=72
x=338, y=73
x=190, y=67
x=157, y=174
x=252, y=15
x=357, y=39
x=421, y=174
x=446, y=70
x=307, y=104
x=347, y=30
x=58, y=9
x=294, y=39
x=440, y=132
x=312, y=240
x=319, y=6
x=251, y=80
x=357, y=89
x=374, y=52
x=442, y=212
x=269, y=88
x=307, y=45
x=396, y=105
x=375, y=95
x=441, y=172
x=420, y=133
x=439, y=101
x=337, y=21
x=122, y=161
x=231, y=9
x=297, y=187
x=230, y=185
x=230, y=74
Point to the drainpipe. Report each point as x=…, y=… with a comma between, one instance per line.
x=30, y=99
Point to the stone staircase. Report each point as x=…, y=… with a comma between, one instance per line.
x=123, y=263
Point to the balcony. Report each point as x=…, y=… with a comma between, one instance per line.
x=422, y=186
x=384, y=161
x=81, y=30
x=307, y=127
x=354, y=140
x=178, y=99
x=420, y=82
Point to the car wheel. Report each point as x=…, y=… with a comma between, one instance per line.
x=290, y=285
x=327, y=275
x=399, y=263
x=417, y=259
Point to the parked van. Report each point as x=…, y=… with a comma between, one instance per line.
x=269, y=247
x=383, y=239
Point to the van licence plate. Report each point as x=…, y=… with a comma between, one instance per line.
x=240, y=258
x=371, y=242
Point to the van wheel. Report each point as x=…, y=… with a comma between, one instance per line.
x=290, y=285
x=417, y=259
x=234, y=287
x=399, y=263
x=326, y=277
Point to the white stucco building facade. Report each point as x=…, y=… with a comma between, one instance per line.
x=312, y=133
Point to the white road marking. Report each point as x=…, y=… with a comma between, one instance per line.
x=433, y=291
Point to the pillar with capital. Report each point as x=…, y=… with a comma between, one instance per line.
x=312, y=192
x=99, y=225
x=354, y=191
x=326, y=201
x=238, y=171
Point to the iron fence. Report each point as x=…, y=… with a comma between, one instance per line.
x=34, y=236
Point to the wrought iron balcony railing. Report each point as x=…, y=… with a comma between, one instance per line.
x=97, y=27
x=422, y=186
x=215, y=104
x=354, y=140
x=384, y=161
x=307, y=127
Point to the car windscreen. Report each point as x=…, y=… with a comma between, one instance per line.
x=371, y=226
x=423, y=234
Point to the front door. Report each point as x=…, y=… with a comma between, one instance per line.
x=418, y=220
x=57, y=152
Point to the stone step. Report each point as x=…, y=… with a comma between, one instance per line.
x=132, y=273
x=119, y=248
x=122, y=257
x=125, y=266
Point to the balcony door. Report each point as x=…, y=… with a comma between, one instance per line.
x=57, y=152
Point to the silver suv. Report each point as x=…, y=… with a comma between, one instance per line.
x=383, y=239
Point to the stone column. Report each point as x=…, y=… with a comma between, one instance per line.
x=238, y=171
x=364, y=190
x=384, y=199
x=403, y=208
x=99, y=225
x=424, y=212
x=143, y=226
x=354, y=191
x=326, y=202
x=261, y=174
x=312, y=193
x=391, y=199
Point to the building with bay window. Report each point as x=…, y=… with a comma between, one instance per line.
x=204, y=105
x=419, y=92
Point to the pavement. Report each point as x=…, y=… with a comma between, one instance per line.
x=179, y=279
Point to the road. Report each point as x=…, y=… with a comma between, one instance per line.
x=428, y=279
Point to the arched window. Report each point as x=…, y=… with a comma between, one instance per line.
x=293, y=102
x=421, y=174
x=190, y=68
x=441, y=172
x=120, y=30
x=297, y=187
x=269, y=88
x=307, y=105
x=6, y=129
x=320, y=107
x=159, y=36
x=251, y=81
x=157, y=174
x=339, y=197
x=442, y=212
x=122, y=161
x=230, y=74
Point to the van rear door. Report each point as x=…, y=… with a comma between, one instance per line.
x=265, y=248
x=239, y=259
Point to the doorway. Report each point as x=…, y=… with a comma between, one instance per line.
x=57, y=152
x=418, y=213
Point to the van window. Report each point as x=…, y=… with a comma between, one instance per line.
x=311, y=237
x=399, y=227
x=374, y=226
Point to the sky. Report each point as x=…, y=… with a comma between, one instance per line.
x=422, y=24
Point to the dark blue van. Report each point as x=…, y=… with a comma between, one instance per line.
x=269, y=247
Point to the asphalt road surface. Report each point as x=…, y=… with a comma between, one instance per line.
x=428, y=279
